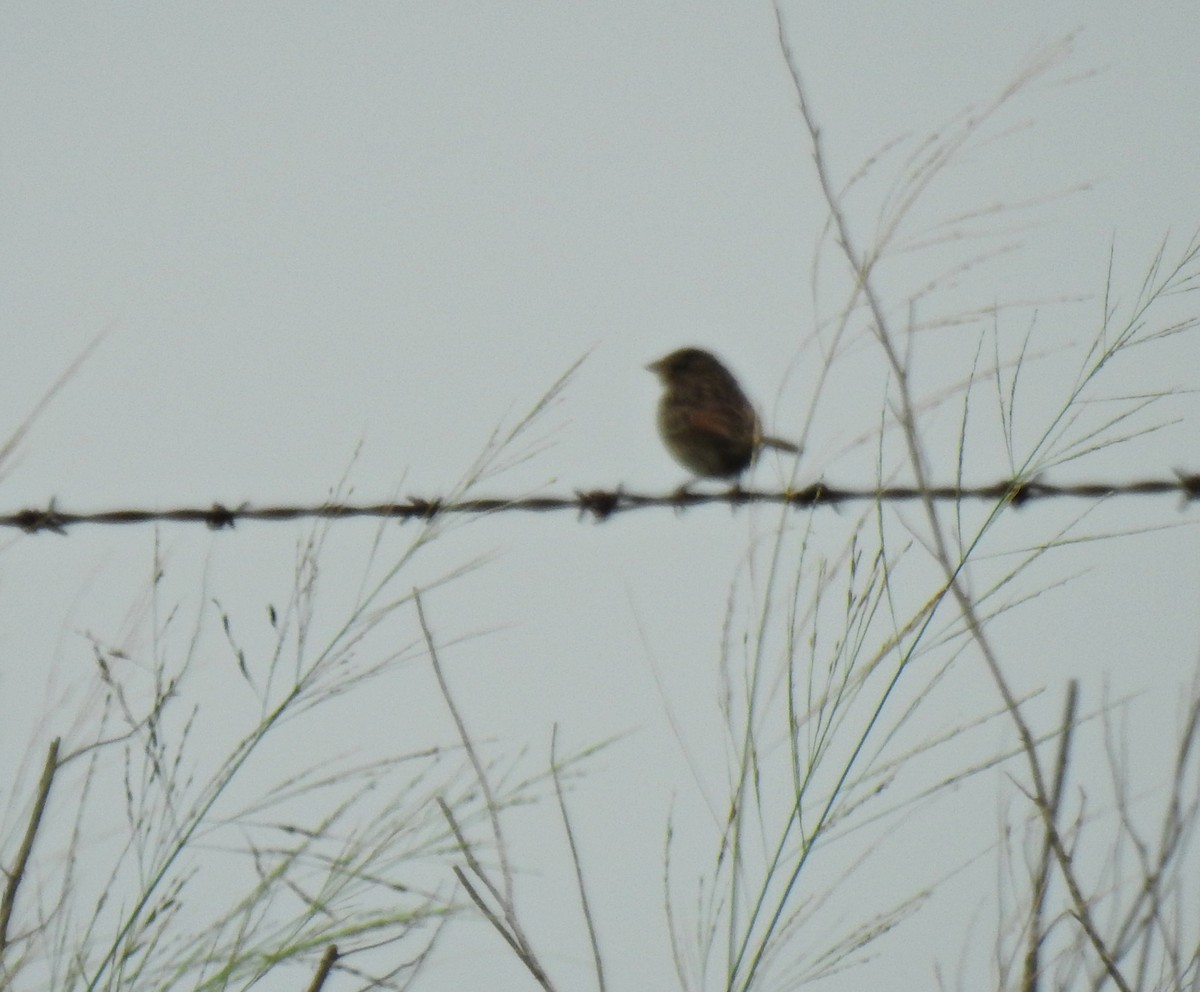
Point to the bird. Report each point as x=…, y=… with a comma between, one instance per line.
x=705, y=420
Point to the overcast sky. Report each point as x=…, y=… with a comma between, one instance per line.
x=307, y=228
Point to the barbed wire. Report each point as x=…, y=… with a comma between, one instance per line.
x=600, y=504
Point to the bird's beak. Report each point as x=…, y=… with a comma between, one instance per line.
x=655, y=367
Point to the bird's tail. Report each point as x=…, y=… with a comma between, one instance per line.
x=779, y=444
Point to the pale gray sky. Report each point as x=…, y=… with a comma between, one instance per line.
x=310, y=225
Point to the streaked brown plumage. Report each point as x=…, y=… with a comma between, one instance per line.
x=704, y=418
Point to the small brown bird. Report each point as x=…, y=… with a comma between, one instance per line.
x=704, y=418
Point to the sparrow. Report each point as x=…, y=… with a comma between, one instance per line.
x=704, y=418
